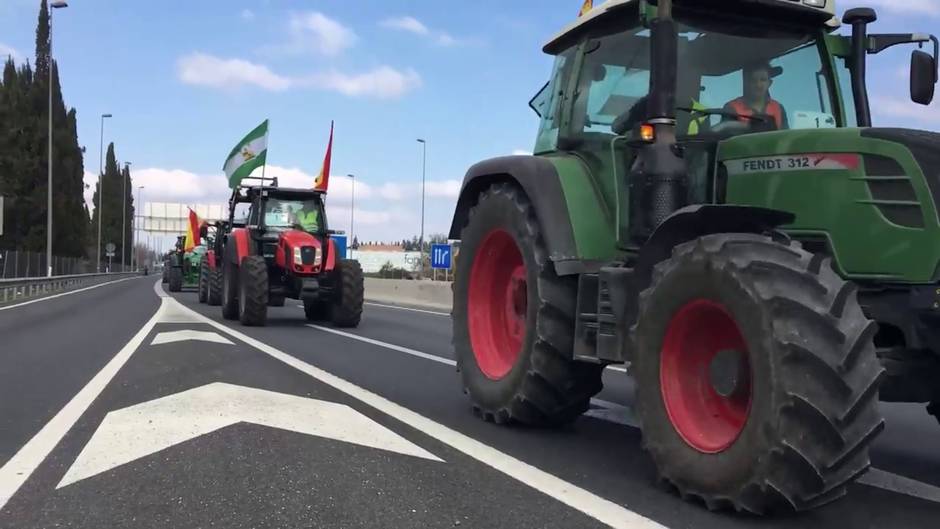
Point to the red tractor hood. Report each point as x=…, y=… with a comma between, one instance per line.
x=290, y=240
x=299, y=239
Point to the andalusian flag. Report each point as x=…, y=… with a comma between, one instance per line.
x=192, y=231
x=248, y=155
x=585, y=7
x=323, y=179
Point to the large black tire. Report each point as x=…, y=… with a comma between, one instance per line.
x=348, y=296
x=541, y=385
x=166, y=278
x=230, y=291
x=317, y=310
x=811, y=374
x=934, y=409
x=215, y=286
x=176, y=279
x=203, y=295
x=276, y=301
x=253, y=291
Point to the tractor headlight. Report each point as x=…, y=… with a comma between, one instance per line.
x=317, y=257
x=298, y=258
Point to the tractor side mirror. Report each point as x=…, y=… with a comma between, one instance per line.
x=923, y=77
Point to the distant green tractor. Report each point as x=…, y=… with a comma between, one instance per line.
x=709, y=203
x=183, y=266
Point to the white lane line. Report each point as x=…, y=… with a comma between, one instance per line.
x=590, y=504
x=617, y=368
x=890, y=481
x=18, y=469
x=184, y=335
x=70, y=292
x=615, y=412
x=436, y=313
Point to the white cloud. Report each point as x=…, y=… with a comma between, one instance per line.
x=6, y=51
x=91, y=180
x=383, y=82
x=413, y=25
x=902, y=108
x=406, y=23
x=207, y=70
x=247, y=14
x=906, y=7
x=521, y=152
x=316, y=32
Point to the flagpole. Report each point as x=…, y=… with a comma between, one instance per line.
x=267, y=134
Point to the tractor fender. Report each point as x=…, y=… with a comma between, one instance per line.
x=692, y=222
x=330, y=263
x=241, y=248
x=539, y=180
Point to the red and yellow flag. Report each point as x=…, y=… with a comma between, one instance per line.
x=323, y=179
x=192, y=231
x=585, y=7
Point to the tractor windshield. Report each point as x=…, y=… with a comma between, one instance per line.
x=281, y=213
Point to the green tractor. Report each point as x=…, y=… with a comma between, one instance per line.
x=183, y=267
x=709, y=203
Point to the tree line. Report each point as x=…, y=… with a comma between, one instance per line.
x=24, y=158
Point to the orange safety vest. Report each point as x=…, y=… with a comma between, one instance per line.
x=773, y=109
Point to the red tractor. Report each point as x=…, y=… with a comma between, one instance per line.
x=282, y=249
x=210, y=270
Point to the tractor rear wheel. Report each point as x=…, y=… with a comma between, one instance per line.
x=317, y=310
x=757, y=379
x=348, y=294
x=203, y=282
x=230, y=291
x=176, y=279
x=253, y=291
x=513, y=319
x=215, y=286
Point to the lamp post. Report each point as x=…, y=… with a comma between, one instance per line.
x=100, y=189
x=127, y=167
x=135, y=259
x=352, y=213
x=424, y=171
x=57, y=4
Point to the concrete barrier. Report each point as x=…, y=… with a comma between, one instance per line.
x=431, y=294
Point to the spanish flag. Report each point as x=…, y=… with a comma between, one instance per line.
x=585, y=7
x=323, y=179
x=192, y=231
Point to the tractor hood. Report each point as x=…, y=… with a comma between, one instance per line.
x=299, y=239
x=299, y=251
x=868, y=197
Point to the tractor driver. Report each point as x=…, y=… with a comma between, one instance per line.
x=756, y=97
x=306, y=216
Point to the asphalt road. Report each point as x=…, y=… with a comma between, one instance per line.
x=119, y=408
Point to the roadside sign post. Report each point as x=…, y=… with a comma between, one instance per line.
x=1, y=215
x=440, y=258
x=110, y=248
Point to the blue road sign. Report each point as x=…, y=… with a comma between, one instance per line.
x=340, y=242
x=440, y=256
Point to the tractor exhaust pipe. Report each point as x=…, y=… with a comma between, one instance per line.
x=660, y=165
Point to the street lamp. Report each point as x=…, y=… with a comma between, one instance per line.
x=127, y=167
x=100, y=189
x=136, y=234
x=424, y=171
x=352, y=213
x=56, y=4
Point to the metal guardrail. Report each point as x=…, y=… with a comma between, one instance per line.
x=27, y=287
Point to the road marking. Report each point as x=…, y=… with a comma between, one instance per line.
x=400, y=349
x=18, y=469
x=590, y=504
x=436, y=313
x=142, y=429
x=70, y=292
x=613, y=412
x=184, y=335
x=902, y=485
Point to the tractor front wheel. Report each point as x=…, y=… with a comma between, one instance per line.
x=253, y=291
x=348, y=294
x=757, y=379
x=203, y=282
x=230, y=291
x=513, y=319
x=215, y=286
x=176, y=279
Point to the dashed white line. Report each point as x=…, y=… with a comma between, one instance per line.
x=876, y=477
x=425, y=311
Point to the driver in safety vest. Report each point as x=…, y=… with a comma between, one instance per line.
x=309, y=220
x=756, y=96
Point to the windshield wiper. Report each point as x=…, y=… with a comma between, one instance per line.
x=763, y=118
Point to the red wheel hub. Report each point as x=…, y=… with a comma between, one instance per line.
x=497, y=304
x=706, y=419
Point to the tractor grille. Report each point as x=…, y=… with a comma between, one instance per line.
x=923, y=145
x=892, y=192
x=308, y=255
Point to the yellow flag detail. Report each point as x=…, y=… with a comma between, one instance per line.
x=585, y=7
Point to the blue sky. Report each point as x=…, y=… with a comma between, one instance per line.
x=186, y=79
